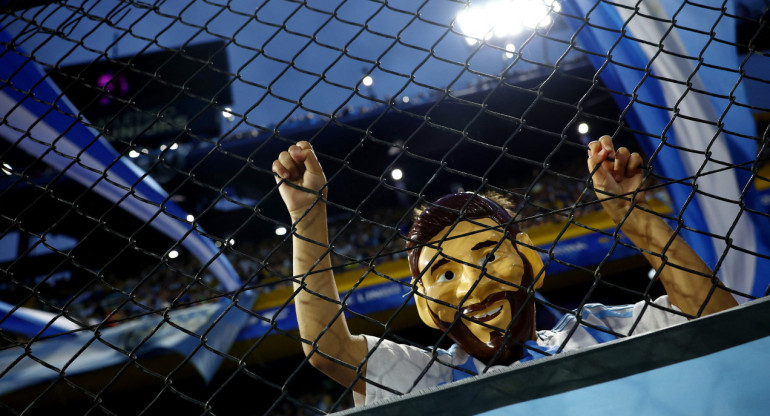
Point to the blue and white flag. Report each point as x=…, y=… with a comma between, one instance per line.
x=680, y=87
x=33, y=322
x=40, y=120
x=203, y=334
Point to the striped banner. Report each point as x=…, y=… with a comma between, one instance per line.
x=40, y=120
x=680, y=90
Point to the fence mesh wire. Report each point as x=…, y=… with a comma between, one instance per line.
x=146, y=253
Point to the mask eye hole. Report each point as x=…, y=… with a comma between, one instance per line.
x=446, y=276
x=489, y=258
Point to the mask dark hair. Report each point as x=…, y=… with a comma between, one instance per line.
x=449, y=210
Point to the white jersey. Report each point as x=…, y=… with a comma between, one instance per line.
x=400, y=367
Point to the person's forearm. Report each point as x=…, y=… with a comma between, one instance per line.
x=688, y=281
x=315, y=280
x=326, y=340
x=317, y=302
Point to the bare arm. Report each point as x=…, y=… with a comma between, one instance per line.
x=688, y=281
x=299, y=166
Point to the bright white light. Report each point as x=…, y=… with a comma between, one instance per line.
x=651, y=274
x=397, y=174
x=533, y=14
x=499, y=16
x=190, y=218
x=174, y=146
x=504, y=18
x=163, y=147
x=133, y=154
x=473, y=23
x=7, y=169
x=510, y=49
x=582, y=128
x=227, y=113
x=405, y=99
x=231, y=242
x=281, y=231
x=367, y=81
x=173, y=254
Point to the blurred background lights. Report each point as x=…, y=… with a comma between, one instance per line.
x=367, y=81
x=280, y=231
x=397, y=174
x=190, y=218
x=510, y=48
x=582, y=128
x=504, y=18
x=7, y=169
x=227, y=114
x=173, y=254
x=473, y=23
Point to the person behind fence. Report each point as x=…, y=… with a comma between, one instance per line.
x=474, y=275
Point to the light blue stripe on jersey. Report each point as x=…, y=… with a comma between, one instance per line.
x=469, y=365
x=600, y=312
x=458, y=374
x=536, y=351
x=599, y=335
x=603, y=312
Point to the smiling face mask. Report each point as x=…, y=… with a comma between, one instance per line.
x=473, y=280
x=475, y=286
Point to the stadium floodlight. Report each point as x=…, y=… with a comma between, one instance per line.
x=281, y=231
x=397, y=174
x=473, y=23
x=583, y=128
x=173, y=254
x=504, y=18
x=367, y=81
x=510, y=48
x=227, y=113
x=190, y=218
x=133, y=154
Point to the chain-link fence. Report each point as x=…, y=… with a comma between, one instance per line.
x=149, y=263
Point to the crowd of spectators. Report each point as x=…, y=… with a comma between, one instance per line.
x=115, y=296
x=551, y=197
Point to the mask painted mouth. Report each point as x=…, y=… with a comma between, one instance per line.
x=488, y=316
x=473, y=310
